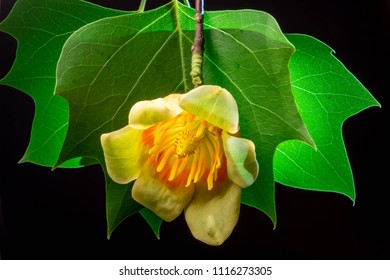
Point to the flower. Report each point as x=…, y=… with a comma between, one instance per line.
x=184, y=153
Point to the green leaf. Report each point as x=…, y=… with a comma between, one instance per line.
x=110, y=64
x=326, y=94
x=119, y=203
x=41, y=28
x=153, y=220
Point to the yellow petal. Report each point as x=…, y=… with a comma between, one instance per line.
x=242, y=165
x=212, y=214
x=144, y=114
x=165, y=202
x=213, y=104
x=122, y=154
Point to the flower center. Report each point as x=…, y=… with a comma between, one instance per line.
x=188, y=140
x=186, y=150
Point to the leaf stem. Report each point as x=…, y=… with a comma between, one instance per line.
x=186, y=2
x=197, y=47
x=141, y=8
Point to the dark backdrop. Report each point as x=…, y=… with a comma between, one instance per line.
x=61, y=214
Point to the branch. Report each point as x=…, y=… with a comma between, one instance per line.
x=197, y=47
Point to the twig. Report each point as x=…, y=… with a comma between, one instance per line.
x=197, y=47
x=141, y=8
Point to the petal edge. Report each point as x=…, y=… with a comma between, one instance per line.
x=145, y=114
x=242, y=165
x=122, y=154
x=212, y=215
x=213, y=104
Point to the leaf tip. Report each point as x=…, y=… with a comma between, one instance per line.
x=22, y=160
x=353, y=199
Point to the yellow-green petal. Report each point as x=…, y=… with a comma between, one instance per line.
x=165, y=201
x=145, y=114
x=242, y=165
x=213, y=214
x=122, y=154
x=213, y=104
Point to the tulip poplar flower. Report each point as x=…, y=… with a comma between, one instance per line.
x=185, y=155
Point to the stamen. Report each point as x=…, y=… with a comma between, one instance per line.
x=210, y=179
x=173, y=173
x=164, y=160
x=218, y=152
x=154, y=149
x=201, y=130
x=159, y=132
x=193, y=169
x=199, y=168
x=164, y=174
x=183, y=164
x=162, y=146
x=213, y=146
x=171, y=128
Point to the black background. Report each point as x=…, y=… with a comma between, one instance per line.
x=60, y=214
